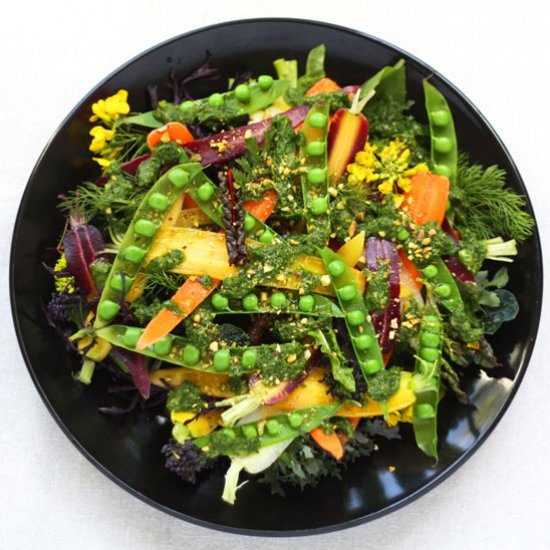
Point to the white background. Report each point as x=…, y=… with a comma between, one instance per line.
x=52, y=53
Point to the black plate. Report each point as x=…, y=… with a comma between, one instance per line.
x=127, y=449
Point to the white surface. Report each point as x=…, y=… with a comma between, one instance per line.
x=52, y=53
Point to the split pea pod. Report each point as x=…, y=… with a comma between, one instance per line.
x=358, y=321
x=444, y=285
x=277, y=428
x=444, y=149
x=139, y=238
x=313, y=155
x=278, y=302
x=226, y=360
x=426, y=382
x=244, y=99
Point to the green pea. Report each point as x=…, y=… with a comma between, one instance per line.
x=336, y=268
x=221, y=361
x=242, y=93
x=249, y=358
x=205, y=191
x=272, y=426
x=431, y=319
x=429, y=340
x=145, y=228
x=108, y=309
x=442, y=144
x=134, y=254
x=265, y=82
x=295, y=420
x=316, y=176
x=229, y=433
x=430, y=271
x=250, y=302
x=424, y=411
x=179, y=177
x=440, y=118
x=433, y=328
x=191, y=354
x=117, y=280
x=315, y=149
x=442, y=170
x=163, y=346
x=220, y=302
x=131, y=336
x=318, y=206
x=424, y=368
x=403, y=234
x=278, y=300
x=158, y=201
x=249, y=431
x=443, y=290
x=186, y=105
x=215, y=100
x=318, y=120
x=355, y=317
x=306, y=303
x=267, y=236
x=429, y=354
x=249, y=223
x=347, y=293
x=363, y=342
x=371, y=366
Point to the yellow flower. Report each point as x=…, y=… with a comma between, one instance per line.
x=102, y=162
x=100, y=137
x=388, y=169
x=63, y=283
x=109, y=109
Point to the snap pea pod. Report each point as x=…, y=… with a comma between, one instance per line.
x=207, y=195
x=227, y=360
x=444, y=285
x=313, y=155
x=426, y=382
x=358, y=321
x=138, y=239
x=277, y=302
x=245, y=99
x=444, y=149
x=277, y=428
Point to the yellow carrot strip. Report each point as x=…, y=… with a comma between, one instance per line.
x=353, y=249
x=212, y=384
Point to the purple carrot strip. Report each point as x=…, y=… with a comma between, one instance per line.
x=227, y=145
x=81, y=246
x=137, y=367
x=456, y=267
x=378, y=251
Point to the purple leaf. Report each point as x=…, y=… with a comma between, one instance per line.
x=456, y=267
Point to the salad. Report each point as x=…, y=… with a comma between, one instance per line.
x=289, y=270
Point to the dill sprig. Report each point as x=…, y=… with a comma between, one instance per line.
x=483, y=206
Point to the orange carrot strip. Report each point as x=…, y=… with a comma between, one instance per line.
x=264, y=207
x=329, y=442
x=173, y=131
x=427, y=199
x=187, y=298
x=324, y=85
x=410, y=269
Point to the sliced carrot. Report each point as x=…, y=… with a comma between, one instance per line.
x=331, y=443
x=187, y=298
x=264, y=207
x=173, y=131
x=325, y=85
x=188, y=201
x=411, y=273
x=427, y=199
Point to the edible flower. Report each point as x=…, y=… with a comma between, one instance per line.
x=388, y=168
x=109, y=109
x=63, y=283
x=100, y=137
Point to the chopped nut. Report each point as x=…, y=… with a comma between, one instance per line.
x=325, y=280
x=213, y=346
x=291, y=358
